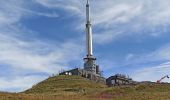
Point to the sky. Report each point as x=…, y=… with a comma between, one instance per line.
x=39, y=38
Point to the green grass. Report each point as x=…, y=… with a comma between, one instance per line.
x=78, y=88
x=75, y=84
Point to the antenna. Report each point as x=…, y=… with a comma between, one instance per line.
x=87, y=1
x=89, y=63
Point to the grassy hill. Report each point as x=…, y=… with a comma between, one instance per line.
x=64, y=83
x=78, y=88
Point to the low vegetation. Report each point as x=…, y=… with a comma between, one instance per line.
x=78, y=88
x=72, y=84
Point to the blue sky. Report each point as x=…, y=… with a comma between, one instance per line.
x=38, y=38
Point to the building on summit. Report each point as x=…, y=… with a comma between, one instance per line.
x=91, y=69
x=119, y=79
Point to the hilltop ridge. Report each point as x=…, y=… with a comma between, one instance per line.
x=65, y=83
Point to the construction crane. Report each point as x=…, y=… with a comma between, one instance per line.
x=159, y=81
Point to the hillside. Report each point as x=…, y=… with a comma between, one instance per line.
x=78, y=88
x=66, y=84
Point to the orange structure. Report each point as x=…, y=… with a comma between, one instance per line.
x=159, y=81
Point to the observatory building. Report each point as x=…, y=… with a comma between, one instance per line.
x=91, y=69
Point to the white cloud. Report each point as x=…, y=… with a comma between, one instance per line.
x=152, y=73
x=163, y=53
x=22, y=52
x=13, y=10
x=30, y=53
x=36, y=56
x=106, y=36
x=132, y=16
x=129, y=57
x=149, y=72
x=120, y=13
x=19, y=83
x=75, y=6
x=8, y=15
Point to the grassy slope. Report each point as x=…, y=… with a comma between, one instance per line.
x=65, y=84
x=78, y=88
x=139, y=92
